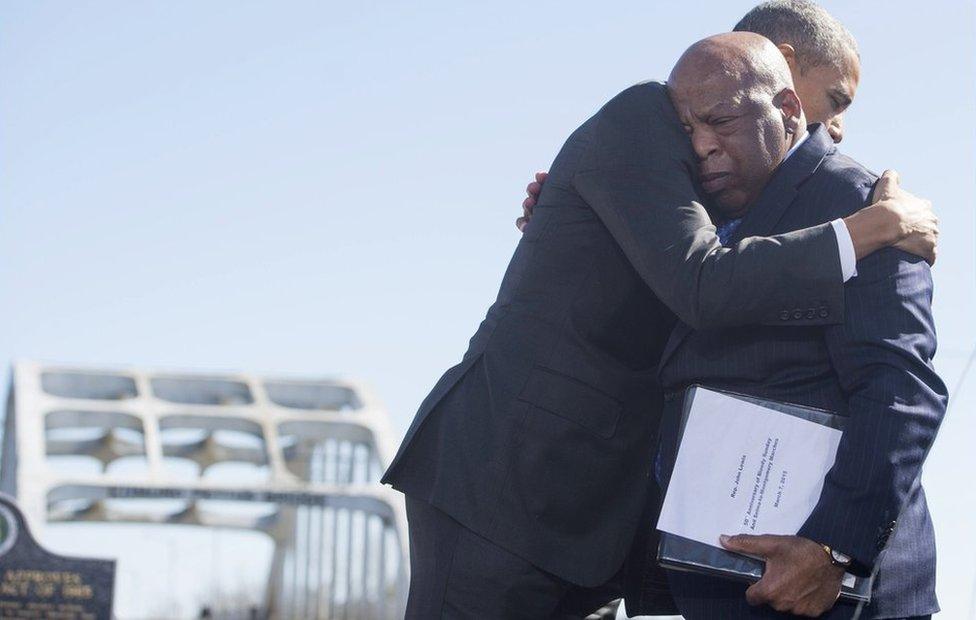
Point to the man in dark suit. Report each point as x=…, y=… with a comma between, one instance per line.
x=734, y=96
x=528, y=468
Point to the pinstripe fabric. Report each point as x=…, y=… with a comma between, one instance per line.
x=539, y=439
x=875, y=367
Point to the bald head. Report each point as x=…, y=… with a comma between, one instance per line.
x=746, y=60
x=735, y=97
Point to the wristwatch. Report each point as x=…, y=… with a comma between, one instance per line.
x=836, y=557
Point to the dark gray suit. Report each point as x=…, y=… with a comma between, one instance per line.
x=875, y=367
x=540, y=440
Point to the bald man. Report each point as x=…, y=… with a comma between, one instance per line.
x=528, y=469
x=766, y=173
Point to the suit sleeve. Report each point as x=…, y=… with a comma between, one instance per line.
x=636, y=174
x=882, y=355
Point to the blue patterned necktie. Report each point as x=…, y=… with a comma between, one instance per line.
x=726, y=229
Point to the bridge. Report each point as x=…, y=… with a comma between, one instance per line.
x=319, y=446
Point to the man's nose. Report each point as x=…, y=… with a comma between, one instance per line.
x=836, y=128
x=704, y=144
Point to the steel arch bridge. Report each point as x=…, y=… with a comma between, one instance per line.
x=340, y=547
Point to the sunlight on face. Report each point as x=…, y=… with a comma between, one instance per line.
x=738, y=136
x=827, y=91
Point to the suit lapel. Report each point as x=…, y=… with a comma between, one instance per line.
x=770, y=207
x=775, y=199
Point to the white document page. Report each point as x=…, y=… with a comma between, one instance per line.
x=745, y=469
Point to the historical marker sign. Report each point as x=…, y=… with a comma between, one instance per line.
x=38, y=584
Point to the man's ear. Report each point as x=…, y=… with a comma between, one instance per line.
x=789, y=54
x=790, y=107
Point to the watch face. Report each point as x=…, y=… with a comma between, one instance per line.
x=839, y=557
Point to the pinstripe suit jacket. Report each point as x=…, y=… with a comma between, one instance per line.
x=875, y=368
x=540, y=439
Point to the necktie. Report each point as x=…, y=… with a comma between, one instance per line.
x=726, y=229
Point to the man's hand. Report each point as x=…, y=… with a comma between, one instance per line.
x=533, y=190
x=895, y=218
x=799, y=577
x=920, y=227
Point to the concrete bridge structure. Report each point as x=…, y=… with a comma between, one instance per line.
x=320, y=446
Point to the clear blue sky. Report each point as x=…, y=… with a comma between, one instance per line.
x=329, y=188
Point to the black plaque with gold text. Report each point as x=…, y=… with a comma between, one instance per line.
x=38, y=584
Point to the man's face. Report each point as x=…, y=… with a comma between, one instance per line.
x=827, y=91
x=739, y=137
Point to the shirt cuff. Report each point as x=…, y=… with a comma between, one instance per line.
x=845, y=245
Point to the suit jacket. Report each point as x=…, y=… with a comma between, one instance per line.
x=541, y=438
x=875, y=368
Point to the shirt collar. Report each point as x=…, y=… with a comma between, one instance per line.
x=806, y=134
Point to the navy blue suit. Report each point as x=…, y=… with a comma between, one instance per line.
x=874, y=367
x=540, y=440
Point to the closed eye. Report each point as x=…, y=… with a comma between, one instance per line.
x=839, y=101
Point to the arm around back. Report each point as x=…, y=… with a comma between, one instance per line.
x=636, y=174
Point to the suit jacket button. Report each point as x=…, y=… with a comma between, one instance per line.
x=811, y=313
x=784, y=315
x=824, y=313
x=798, y=314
